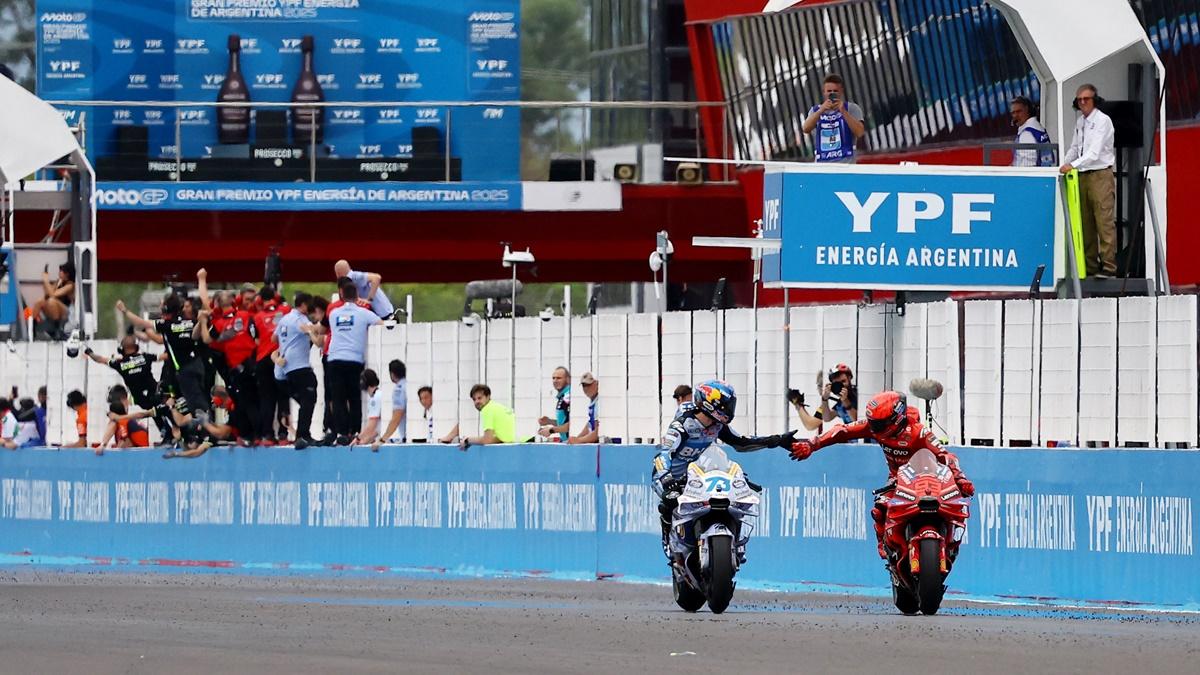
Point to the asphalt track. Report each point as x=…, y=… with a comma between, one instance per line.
x=54, y=622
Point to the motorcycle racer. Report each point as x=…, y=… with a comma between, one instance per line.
x=696, y=426
x=900, y=433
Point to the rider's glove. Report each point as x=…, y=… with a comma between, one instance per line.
x=802, y=450
x=670, y=484
x=965, y=486
x=780, y=440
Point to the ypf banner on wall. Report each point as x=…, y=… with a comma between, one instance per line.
x=914, y=228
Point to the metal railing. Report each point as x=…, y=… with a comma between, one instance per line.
x=548, y=130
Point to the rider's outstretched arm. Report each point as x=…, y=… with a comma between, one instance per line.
x=752, y=443
x=839, y=434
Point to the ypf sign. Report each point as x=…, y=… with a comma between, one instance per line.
x=931, y=228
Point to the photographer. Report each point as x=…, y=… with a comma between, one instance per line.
x=839, y=399
x=836, y=124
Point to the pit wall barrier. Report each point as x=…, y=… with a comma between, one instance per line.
x=1111, y=526
x=1102, y=371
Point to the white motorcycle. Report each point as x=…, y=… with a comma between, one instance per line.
x=709, y=531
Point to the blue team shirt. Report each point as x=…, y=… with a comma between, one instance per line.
x=686, y=439
x=833, y=141
x=400, y=402
x=348, y=326
x=294, y=344
x=562, y=411
x=380, y=303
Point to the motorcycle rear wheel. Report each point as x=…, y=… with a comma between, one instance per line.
x=689, y=599
x=929, y=581
x=720, y=573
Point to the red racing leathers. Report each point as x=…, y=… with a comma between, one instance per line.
x=898, y=447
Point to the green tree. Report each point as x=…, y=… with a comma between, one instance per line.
x=554, y=56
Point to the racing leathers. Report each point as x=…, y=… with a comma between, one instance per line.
x=683, y=442
x=898, y=448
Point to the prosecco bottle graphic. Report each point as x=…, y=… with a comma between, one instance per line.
x=233, y=123
x=308, y=124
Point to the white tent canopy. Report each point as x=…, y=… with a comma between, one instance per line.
x=32, y=133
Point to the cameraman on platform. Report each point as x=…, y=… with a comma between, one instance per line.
x=839, y=399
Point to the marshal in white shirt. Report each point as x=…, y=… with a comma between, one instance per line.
x=1093, y=146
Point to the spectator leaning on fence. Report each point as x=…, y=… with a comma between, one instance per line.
x=835, y=124
x=560, y=379
x=1029, y=131
x=498, y=422
x=1093, y=154
x=367, y=284
x=591, y=431
x=398, y=424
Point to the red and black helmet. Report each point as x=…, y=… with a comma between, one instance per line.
x=887, y=413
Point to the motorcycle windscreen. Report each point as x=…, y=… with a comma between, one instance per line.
x=714, y=459
x=923, y=463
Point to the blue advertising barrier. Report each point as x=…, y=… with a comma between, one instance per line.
x=932, y=228
x=365, y=50
x=133, y=196
x=1113, y=526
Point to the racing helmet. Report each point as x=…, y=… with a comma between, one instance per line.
x=717, y=399
x=887, y=413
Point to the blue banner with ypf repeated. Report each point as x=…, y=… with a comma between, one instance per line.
x=365, y=51
x=914, y=228
x=309, y=196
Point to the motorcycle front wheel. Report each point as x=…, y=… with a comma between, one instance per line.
x=689, y=599
x=929, y=581
x=720, y=573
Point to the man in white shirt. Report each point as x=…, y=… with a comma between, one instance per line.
x=1093, y=153
x=1029, y=132
x=8, y=425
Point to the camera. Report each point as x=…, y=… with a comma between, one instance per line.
x=836, y=388
x=834, y=96
x=796, y=397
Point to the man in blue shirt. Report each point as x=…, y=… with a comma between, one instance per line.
x=348, y=326
x=399, y=423
x=367, y=284
x=296, y=334
x=836, y=124
x=591, y=432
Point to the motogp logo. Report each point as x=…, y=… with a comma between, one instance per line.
x=122, y=197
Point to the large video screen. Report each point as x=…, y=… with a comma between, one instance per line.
x=364, y=50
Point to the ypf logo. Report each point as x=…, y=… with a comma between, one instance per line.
x=65, y=66
x=428, y=45
x=250, y=45
x=408, y=80
x=152, y=116
x=190, y=46
x=327, y=80
x=213, y=81
x=493, y=113
x=370, y=150
x=193, y=116
x=347, y=115
x=122, y=116
x=388, y=46
x=404, y=149
x=771, y=213
x=913, y=207
x=152, y=46
x=369, y=81
x=491, y=65
x=347, y=46
x=124, y=197
x=389, y=115
x=289, y=45
x=169, y=81
x=269, y=80
x=122, y=46
x=427, y=114
x=137, y=81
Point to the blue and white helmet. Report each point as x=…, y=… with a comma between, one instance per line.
x=717, y=399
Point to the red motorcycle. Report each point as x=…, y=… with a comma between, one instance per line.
x=926, y=521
